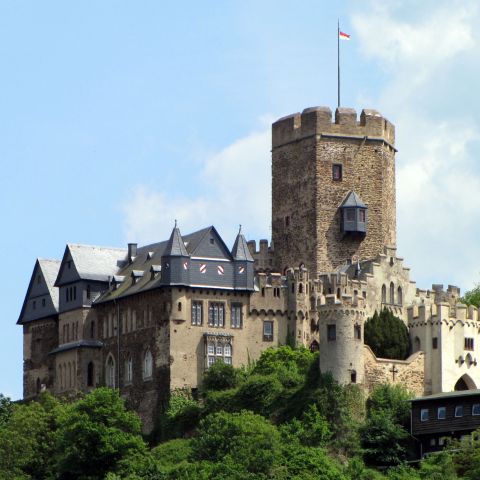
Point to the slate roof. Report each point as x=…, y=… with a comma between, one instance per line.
x=97, y=263
x=175, y=246
x=353, y=200
x=459, y=393
x=79, y=344
x=50, y=270
x=240, y=249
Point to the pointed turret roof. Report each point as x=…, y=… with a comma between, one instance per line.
x=175, y=246
x=240, y=249
x=353, y=200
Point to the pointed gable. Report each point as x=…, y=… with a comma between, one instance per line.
x=207, y=243
x=240, y=249
x=353, y=200
x=41, y=299
x=175, y=246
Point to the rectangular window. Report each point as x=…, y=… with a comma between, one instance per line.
x=211, y=360
x=236, y=315
x=268, y=331
x=361, y=215
x=216, y=315
x=218, y=350
x=441, y=413
x=336, y=172
x=476, y=409
x=434, y=342
x=441, y=441
x=468, y=343
x=197, y=315
x=350, y=214
x=459, y=411
x=331, y=333
x=211, y=349
x=424, y=414
x=357, y=330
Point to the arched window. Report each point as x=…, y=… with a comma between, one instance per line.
x=92, y=329
x=392, y=293
x=179, y=306
x=399, y=296
x=110, y=372
x=339, y=293
x=384, y=294
x=90, y=372
x=147, y=365
x=417, y=345
x=60, y=378
x=128, y=370
x=300, y=288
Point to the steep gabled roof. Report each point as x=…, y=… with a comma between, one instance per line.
x=92, y=262
x=353, y=200
x=240, y=249
x=48, y=270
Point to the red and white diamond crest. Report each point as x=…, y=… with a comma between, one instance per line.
x=241, y=269
x=185, y=265
x=203, y=268
x=220, y=270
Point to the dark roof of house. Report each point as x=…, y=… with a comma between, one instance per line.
x=79, y=344
x=240, y=249
x=353, y=200
x=445, y=395
x=175, y=246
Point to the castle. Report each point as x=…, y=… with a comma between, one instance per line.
x=151, y=319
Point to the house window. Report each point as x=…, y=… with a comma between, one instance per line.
x=459, y=411
x=357, y=330
x=147, y=365
x=211, y=354
x=110, y=372
x=227, y=354
x=434, y=342
x=468, y=343
x=441, y=413
x=197, y=308
x=128, y=370
x=432, y=442
x=216, y=314
x=337, y=172
x=476, y=409
x=331, y=333
x=268, y=331
x=362, y=215
x=212, y=241
x=441, y=441
x=236, y=315
x=218, y=350
x=424, y=414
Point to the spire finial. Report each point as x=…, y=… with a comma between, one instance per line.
x=240, y=229
x=175, y=223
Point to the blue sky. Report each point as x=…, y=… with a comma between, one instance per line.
x=118, y=117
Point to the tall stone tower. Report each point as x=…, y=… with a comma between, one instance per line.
x=333, y=187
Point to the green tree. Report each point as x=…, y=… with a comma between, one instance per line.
x=393, y=399
x=95, y=434
x=259, y=393
x=244, y=438
x=6, y=408
x=472, y=297
x=387, y=336
x=439, y=466
x=27, y=439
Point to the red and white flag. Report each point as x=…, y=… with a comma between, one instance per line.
x=344, y=36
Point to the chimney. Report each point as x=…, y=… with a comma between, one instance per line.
x=132, y=251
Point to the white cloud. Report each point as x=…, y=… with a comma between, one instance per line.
x=237, y=191
x=437, y=186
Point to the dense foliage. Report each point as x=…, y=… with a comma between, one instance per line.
x=472, y=297
x=387, y=336
x=280, y=419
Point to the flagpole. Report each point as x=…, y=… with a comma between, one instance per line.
x=338, y=63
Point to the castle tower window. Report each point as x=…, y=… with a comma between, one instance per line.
x=434, y=343
x=236, y=315
x=331, y=332
x=110, y=372
x=384, y=294
x=300, y=288
x=147, y=365
x=216, y=314
x=197, y=312
x=357, y=330
x=90, y=374
x=392, y=293
x=416, y=344
x=128, y=370
x=399, y=296
x=353, y=376
x=468, y=343
x=268, y=331
x=337, y=172
x=179, y=306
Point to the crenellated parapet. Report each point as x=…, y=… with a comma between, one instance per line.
x=263, y=257
x=318, y=121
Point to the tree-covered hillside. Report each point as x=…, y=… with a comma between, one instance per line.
x=278, y=419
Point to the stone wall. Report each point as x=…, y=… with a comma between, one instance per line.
x=305, y=198
x=409, y=372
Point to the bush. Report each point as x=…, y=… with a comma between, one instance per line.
x=220, y=376
x=216, y=401
x=259, y=393
x=387, y=336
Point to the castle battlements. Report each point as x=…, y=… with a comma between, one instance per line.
x=318, y=121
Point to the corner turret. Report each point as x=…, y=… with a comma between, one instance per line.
x=175, y=260
x=243, y=262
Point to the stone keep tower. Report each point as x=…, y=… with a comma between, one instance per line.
x=333, y=187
